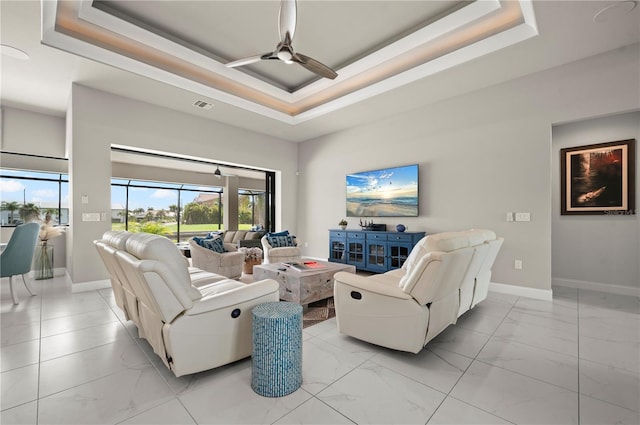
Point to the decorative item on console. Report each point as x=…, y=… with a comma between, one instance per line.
x=252, y=257
x=401, y=228
x=43, y=265
x=369, y=225
x=343, y=224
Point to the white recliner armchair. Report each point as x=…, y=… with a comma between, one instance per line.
x=405, y=308
x=281, y=253
x=194, y=320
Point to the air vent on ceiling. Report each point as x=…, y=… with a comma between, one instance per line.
x=202, y=104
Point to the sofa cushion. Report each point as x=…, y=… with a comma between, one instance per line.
x=253, y=235
x=146, y=246
x=117, y=239
x=239, y=235
x=215, y=244
x=445, y=242
x=484, y=234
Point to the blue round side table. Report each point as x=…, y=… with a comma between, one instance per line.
x=276, y=361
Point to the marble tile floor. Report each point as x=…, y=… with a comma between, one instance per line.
x=69, y=358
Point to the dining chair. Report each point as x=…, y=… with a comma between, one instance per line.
x=18, y=255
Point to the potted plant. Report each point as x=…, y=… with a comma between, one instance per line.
x=343, y=224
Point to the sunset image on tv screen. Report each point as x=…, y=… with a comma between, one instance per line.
x=390, y=192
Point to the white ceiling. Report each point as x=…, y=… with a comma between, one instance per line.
x=338, y=33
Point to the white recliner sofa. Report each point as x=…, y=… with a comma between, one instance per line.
x=194, y=320
x=445, y=275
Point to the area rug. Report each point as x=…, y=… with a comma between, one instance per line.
x=318, y=312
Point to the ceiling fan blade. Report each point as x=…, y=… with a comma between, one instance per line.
x=251, y=59
x=315, y=66
x=287, y=19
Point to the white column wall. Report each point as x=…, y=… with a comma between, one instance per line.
x=96, y=120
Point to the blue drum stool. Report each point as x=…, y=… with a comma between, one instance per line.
x=276, y=361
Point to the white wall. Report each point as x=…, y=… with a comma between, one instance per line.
x=96, y=120
x=601, y=251
x=32, y=133
x=480, y=155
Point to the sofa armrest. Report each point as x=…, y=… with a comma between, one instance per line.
x=369, y=285
x=234, y=297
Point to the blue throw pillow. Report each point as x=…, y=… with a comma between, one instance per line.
x=283, y=233
x=215, y=244
x=198, y=240
x=281, y=241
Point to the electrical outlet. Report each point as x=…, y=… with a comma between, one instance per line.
x=517, y=264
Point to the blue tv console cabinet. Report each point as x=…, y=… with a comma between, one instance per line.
x=374, y=251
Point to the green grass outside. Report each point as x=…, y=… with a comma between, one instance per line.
x=173, y=228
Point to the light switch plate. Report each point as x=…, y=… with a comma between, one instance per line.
x=90, y=216
x=523, y=216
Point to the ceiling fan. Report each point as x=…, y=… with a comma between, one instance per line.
x=284, y=50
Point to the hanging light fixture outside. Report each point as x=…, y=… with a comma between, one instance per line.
x=217, y=173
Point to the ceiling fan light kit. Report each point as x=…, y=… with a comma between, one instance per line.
x=284, y=51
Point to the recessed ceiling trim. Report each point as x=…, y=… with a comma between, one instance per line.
x=448, y=24
x=516, y=34
x=79, y=28
x=440, y=28
x=64, y=42
x=116, y=25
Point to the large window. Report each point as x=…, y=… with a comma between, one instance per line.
x=251, y=208
x=27, y=195
x=178, y=211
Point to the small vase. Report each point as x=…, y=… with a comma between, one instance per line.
x=43, y=264
x=401, y=228
x=343, y=226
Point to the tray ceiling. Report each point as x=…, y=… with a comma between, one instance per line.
x=374, y=46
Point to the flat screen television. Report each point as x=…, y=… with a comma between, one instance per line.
x=390, y=192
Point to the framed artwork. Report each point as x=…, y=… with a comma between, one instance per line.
x=598, y=179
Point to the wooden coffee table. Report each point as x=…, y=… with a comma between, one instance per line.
x=302, y=287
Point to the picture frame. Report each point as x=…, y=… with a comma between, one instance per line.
x=598, y=179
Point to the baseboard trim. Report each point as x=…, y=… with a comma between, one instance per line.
x=597, y=286
x=90, y=286
x=522, y=291
x=57, y=272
